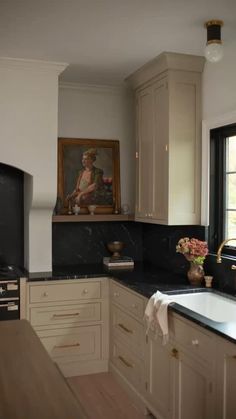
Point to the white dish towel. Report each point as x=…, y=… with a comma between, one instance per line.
x=156, y=315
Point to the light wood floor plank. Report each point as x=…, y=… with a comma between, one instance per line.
x=103, y=398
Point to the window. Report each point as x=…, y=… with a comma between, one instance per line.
x=223, y=188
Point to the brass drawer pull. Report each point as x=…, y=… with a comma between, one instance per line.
x=125, y=328
x=125, y=362
x=66, y=346
x=65, y=315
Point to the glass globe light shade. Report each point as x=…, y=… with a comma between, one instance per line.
x=214, y=52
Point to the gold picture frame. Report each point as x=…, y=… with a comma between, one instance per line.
x=88, y=175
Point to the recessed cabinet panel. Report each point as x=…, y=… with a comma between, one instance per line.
x=129, y=365
x=160, y=151
x=63, y=292
x=128, y=330
x=127, y=300
x=195, y=390
x=83, y=342
x=185, y=147
x=230, y=381
x=58, y=315
x=160, y=378
x=145, y=152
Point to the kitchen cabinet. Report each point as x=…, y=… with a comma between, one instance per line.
x=168, y=139
x=181, y=375
x=127, y=339
x=192, y=376
x=173, y=381
x=71, y=319
x=160, y=364
x=195, y=366
x=226, y=378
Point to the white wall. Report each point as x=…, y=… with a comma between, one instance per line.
x=219, y=84
x=101, y=112
x=28, y=141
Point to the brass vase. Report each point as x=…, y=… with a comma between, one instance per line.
x=195, y=274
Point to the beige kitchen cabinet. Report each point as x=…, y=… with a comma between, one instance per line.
x=196, y=369
x=71, y=319
x=127, y=340
x=226, y=378
x=168, y=139
x=160, y=366
x=193, y=376
x=181, y=380
x=195, y=389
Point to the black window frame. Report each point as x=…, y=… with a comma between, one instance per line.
x=217, y=188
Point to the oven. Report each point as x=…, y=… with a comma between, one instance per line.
x=9, y=299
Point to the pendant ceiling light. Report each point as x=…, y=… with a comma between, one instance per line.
x=214, y=48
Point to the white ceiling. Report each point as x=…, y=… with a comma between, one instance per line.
x=103, y=41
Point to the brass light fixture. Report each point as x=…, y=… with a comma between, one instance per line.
x=214, y=48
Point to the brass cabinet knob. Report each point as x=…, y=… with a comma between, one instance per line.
x=175, y=353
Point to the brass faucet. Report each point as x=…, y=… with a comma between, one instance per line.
x=218, y=258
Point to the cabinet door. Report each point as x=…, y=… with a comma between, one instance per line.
x=160, y=150
x=227, y=385
x=144, y=170
x=160, y=378
x=195, y=389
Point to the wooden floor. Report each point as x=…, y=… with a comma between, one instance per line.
x=103, y=398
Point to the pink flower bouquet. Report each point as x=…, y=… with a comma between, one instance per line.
x=194, y=250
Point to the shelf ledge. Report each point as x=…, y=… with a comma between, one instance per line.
x=91, y=218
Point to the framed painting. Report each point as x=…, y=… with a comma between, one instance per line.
x=88, y=176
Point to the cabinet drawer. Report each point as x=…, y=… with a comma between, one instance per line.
x=126, y=328
x=191, y=338
x=129, y=365
x=62, y=292
x=126, y=299
x=58, y=315
x=82, y=343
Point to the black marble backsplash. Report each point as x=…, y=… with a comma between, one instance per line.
x=77, y=243
x=224, y=278
x=159, y=245
x=11, y=216
x=154, y=244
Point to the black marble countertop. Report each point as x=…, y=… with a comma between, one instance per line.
x=145, y=280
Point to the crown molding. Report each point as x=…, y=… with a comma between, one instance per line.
x=118, y=89
x=32, y=65
x=163, y=62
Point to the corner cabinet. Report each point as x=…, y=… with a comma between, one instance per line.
x=168, y=139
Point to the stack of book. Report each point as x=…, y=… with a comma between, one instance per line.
x=118, y=263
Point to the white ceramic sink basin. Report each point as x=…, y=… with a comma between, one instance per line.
x=210, y=305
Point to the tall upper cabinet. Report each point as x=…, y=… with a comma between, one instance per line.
x=168, y=139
